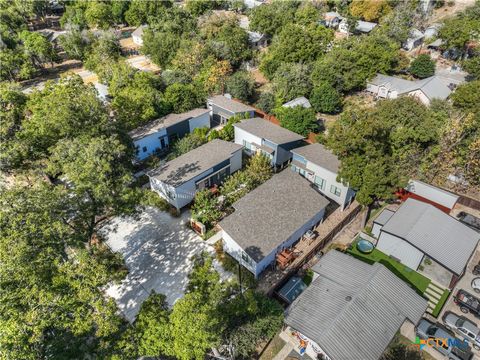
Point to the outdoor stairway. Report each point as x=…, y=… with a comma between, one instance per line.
x=433, y=293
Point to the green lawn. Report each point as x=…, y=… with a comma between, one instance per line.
x=416, y=280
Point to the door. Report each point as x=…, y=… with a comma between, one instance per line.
x=162, y=143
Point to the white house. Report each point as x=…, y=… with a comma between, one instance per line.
x=351, y=310
x=418, y=230
x=178, y=180
x=270, y=218
x=331, y=19
x=320, y=166
x=137, y=35
x=300, y=101
x=274, y=141
x=434, y=87
x=415, y=39
x=157, y=135
x=363, y=27
x=223, y=107
x=442, y=199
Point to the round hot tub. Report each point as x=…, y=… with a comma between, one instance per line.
x=365, y=246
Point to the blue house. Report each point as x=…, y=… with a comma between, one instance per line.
x=258, y=135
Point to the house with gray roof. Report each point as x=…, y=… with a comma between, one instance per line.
x=223, y=107
x=361, y=27
x=178, y=180
x=270, y=218
x=320, y=166
x=300, y=101
x=274, y=141
x=434, y=87
x=352, y=310
x=137, y=35
x=157, y=135
x=418, y=230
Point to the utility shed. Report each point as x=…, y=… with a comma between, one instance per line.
x=352, y=310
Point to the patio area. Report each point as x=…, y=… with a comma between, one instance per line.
x=435, y=293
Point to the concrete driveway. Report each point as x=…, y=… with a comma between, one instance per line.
x=158, y=251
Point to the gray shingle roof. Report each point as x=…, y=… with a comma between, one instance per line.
x=164, y=122
x=195, y=162
x=384, y=216
x=352, y=309
x=300, y=101
x=434, y=87
x=319, y=155
x=440, y=236
x=267, y=130
x=229, y=104
x=267, y=216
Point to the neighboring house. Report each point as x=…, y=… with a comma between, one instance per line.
x=178, y=180
x=257, y=40
x=432, y=31
x=363, y=27
x=223, y=107
x=52, y=36
x=320, y=166
x=270, y=218
x=441, y=199
x=159, y=134
x=137, y=35
x=418, y=230
x=415, y=39
x=390, y=87
x=331, y=19
x=352, y=310
x=300, y=101
x=274, y=141
x=250, y=4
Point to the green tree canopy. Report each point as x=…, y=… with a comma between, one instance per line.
x=183, y=97
x=297, y=119
x=467, y=96
x=291, y=81
x=326, y=99
x=271, y=19
x=241, y=85
x=422, y=66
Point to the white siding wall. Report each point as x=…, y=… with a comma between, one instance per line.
x=232, y=248
x=137, y=39
x=421, y=96
x=346, y=194
x=199, y=122
x=241, y=135
x=236, y=161
x=151, y=142
x=163, y=189
x=433, y=193
x=400, y=249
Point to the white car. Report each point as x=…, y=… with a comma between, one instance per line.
x=467, y=329
x=476, y=284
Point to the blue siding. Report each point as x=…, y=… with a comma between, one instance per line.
x=180, y=130
x=221, y=165
x=299, y=158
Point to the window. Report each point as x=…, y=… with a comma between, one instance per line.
x=335, y=190
x=247, y=145
x=144, y=149
x=320, y=182
x=301, y=172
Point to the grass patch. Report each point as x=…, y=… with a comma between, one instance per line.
x=418, y=281
x=273, y=348
x=441, y=302
x=400, y=339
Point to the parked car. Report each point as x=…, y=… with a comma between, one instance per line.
x=476, y=284
x=426, y=329
x=476, y=270
x=467, y=302
x=464, y=327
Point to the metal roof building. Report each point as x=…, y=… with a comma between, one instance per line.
x=352, y=310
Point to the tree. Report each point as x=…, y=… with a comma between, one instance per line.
x=99, y=15
x=52, y=305
x=188, y=143
x=349, y=64
x=76, y=43
x=291, y=81
x=152, y=327
x=16, y=65
x=199, y=7
x=266, y=102
x=183, y=97
x=38, y=48
x=467, y=96
x=422, y=66
x=271, y=19
x=213, y=75
x=241, y=85
x=105, y=50
x=228, y=131
x=472, y=66
x=370, y=10
x=307, y=13
x=160, y=46
x=98, y=169
x=326, y=99
x=145, y=11
x=205, y=208
x=66, y=109
x=296, y=44
x=297, y=119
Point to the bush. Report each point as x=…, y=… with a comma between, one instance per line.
x=151, y=198
x=422, y=67
x=326, y=99
x=240, y=85
x=297, y=119
x=266, y=102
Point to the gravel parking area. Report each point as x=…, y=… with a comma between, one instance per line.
x=158, y=251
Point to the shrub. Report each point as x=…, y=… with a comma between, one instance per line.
x=422, y=67
x=326, y=99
